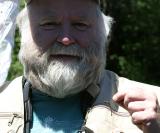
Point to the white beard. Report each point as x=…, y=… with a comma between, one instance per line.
x=64, y=79
x=57, y=78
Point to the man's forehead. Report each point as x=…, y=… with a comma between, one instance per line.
x=28, y=1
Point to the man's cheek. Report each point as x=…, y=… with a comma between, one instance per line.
x=44, y=39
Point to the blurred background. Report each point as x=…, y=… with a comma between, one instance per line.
x=134, y=50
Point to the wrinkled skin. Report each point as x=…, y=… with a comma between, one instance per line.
x=65, y=48
x=53, y=21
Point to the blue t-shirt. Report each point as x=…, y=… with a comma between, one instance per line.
x=52, y=115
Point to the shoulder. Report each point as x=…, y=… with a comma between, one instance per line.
x=123, y=82
x=11, y=96
x=130, y=83
x=115, y=83
x=9, y=84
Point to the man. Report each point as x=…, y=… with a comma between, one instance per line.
x=65, y=85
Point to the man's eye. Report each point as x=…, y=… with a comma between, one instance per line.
x=49, y=25
x=81, y=26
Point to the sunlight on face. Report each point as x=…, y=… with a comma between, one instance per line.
x=58, y=76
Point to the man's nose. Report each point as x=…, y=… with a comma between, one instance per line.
x=66, y=38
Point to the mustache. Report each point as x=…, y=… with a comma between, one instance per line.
x=72, y=50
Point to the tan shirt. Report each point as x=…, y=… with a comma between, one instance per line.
x=100, y=119
x=113, y=118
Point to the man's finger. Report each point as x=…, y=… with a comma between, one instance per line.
x=143, y=117
x=142, y=105
x=119, y=96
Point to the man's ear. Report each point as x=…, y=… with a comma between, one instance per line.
x=108, y=21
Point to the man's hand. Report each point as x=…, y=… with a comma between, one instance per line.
x=142, y=104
